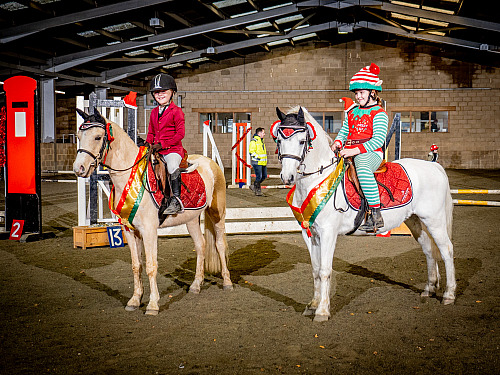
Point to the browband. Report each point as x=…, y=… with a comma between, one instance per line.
x=88, y=125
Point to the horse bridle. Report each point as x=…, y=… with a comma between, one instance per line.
x=104, y=146
x=100, y=158
x=297, y=128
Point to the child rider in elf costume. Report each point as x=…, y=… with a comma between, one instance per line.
x=165, y=133
x=362, y=136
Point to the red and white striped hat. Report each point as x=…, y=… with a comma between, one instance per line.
x=366, y=79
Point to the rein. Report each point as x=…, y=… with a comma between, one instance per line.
x=108, y=138
x=305, y=150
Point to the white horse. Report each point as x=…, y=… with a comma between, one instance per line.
x=428, y=215
x=100, y=140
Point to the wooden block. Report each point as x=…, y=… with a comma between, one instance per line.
x=91, y=237
x=402, y=230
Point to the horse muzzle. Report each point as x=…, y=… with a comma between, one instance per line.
x=81, y=168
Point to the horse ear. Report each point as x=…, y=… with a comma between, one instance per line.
x=300, y=116
x=98, y=116
x=280, y=114
x=82, y=114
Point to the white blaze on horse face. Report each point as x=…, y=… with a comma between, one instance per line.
x=91, y=141
x=291, y=146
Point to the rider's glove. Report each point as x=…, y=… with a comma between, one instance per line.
x=156, y=147
x=146, y=144
x=337, y=145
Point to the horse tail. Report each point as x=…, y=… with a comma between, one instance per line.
x=215, y=228
x=449, y=209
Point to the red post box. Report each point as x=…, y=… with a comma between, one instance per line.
x=23, y=178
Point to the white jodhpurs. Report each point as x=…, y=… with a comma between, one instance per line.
x=173, y=160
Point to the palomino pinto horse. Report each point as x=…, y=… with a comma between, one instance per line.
x=119, y=153
x=307, y=160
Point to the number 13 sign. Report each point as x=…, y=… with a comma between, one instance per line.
x=17, y=230
x=115, y=236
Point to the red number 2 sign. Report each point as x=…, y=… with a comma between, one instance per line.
x=17, y=230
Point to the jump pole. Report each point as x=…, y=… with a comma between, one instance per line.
x=473, y=202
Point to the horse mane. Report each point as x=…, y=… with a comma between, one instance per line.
x=309, y=118
x=119, y=132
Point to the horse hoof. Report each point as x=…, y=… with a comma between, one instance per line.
x=320, y=318
x=131, y=308
x=195, y=290
x=228, y=287
x=151, y=312
x=448, y=301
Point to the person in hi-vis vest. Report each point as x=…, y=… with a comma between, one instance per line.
x=258, y=155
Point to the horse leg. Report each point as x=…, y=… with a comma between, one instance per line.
x=315, y=262
x=135, y=244
x=415, y=225
x=437, y=228
x=323, y=246
x=327, y=240
x=150, y=239
x=221, y=245
x=194, y=230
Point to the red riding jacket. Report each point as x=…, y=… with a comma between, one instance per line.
x=169, y=129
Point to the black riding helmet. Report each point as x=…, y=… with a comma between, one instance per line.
x=162, y=82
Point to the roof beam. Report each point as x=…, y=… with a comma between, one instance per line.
x=67, y=61
x=425, y=37
x=457, y=20
x=17, y=32
x=89, y=81
x=114, y=75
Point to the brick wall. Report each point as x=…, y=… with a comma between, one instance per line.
x=57, y=156
x=414, y=76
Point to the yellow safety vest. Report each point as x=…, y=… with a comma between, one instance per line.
x=258, y=151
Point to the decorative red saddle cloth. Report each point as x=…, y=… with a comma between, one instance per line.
x=395, y=178
x=194, y=197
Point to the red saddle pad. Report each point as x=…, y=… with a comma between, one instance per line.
x=395, y=178
x=194, y=197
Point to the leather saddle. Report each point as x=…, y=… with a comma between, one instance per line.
x=160, y=171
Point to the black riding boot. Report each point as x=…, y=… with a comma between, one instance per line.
x=374, y=221
x=175, y=204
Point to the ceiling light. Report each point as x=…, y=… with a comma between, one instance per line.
x=305, y=36
x=156, y=23
x=297, y=17
x=345, y=29
x=276, y=42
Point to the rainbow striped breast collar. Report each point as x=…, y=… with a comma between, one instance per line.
x=133, y=192
x=317, y=198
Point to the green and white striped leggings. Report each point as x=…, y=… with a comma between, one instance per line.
x=366, y=164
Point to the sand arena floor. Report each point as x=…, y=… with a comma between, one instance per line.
x=62, y=309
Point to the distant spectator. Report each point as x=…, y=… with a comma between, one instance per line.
x=258, y=156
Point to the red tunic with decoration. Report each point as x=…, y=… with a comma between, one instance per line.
x=168, y=130
x=364, y=128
